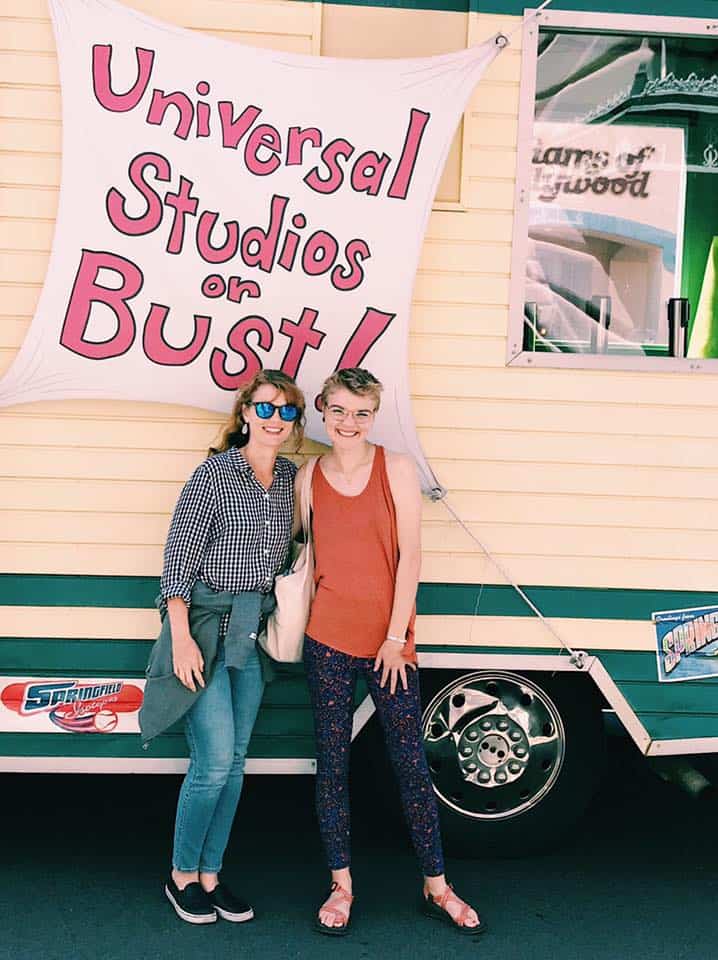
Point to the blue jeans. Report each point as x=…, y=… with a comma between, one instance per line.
x=218, y=728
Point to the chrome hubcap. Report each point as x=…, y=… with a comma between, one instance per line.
x=495, y=744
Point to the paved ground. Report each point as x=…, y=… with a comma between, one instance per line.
x=85, y=857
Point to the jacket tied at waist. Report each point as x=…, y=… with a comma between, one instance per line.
x=166, y=699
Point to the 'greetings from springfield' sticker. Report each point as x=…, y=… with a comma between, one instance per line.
x=687, y=643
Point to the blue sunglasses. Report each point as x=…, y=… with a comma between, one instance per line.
x=265, y=410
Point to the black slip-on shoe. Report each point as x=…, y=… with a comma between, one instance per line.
x=191, y=904
x=228, y=906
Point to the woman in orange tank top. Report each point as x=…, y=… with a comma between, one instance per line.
x=366, y=506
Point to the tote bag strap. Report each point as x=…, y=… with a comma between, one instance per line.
x=305, y=498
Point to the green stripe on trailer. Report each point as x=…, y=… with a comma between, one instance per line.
x=689, y=8
x=83, y=658
x=128, y=745
x=676, y=726
x=70, y=590
x=694, y=698
x=127, y=658
x=434, y=599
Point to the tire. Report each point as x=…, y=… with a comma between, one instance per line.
x=514, y=758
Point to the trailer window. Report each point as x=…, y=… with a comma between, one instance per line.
x=616, y=252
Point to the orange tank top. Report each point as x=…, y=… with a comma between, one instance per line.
x=356, y=553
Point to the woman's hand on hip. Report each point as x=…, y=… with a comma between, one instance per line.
x=187, y=660
x=393, y=664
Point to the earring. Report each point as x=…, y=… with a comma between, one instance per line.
x=245, y=429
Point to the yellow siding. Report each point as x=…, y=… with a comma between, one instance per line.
x=128, y=624
x=586, y=478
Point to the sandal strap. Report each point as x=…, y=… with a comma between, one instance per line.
x=445, y=897
x=443, y=901
x=338, y=904
x=340, y=893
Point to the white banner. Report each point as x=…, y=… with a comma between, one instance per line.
x=225, y=208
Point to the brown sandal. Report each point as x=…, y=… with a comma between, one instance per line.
x=436, y=908
x=340, y=896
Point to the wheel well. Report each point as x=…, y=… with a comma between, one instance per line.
x=433, y=679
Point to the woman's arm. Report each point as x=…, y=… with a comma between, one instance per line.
x=186, y=542
x=188, y=536
x=406, y=493
x=297, y=519
x=405, y=489
x=187, y=659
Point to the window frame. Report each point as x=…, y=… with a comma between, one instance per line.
x=580, y=22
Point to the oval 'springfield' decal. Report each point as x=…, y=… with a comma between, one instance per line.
x=75, y=706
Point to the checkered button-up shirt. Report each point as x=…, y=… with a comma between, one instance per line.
x=227, y=530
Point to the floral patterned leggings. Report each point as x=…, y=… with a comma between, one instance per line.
x=332, y=678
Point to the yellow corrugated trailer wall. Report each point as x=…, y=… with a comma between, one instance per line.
x=572, y=478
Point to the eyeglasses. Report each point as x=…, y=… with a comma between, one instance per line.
x=358, y=416
x=265, y=410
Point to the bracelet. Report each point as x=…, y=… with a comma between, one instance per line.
x=389, y=636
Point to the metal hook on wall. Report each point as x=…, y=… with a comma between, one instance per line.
x=503, y=39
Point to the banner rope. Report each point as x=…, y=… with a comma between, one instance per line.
x=577, y=657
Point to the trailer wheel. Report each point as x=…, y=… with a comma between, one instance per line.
x=514, y=761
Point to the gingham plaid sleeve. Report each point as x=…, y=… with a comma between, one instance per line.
x=188, y=536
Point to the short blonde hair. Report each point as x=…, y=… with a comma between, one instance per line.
x=356, y=380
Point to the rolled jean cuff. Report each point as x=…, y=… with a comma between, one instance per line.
x=204, y=869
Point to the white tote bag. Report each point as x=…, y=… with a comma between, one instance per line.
x=283, y=636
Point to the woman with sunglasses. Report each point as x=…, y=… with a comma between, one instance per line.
x=228, y=538
x=366, y=505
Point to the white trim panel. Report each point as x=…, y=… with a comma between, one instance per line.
x=503, y=661
x=362, y=714
x=673, y=748
x=141, y=765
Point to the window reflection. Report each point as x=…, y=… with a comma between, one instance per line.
x=622, y=257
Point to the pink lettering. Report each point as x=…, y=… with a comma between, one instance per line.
x=208, y=252
x=158, y=107
x=259, y=246
x=102, y=85
x=159, y=351
x=301, y=335
x=86, y=291
x=238, y=287
x=356, y=252
x=319, y=253
x=296, y=138
x=234, y=129
x=237, y=341
x=409, y=153
x=183, y=203
x=116, y=202
x=330, y=158
x=213, y=286
x=268, y=138
x=368, y=172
